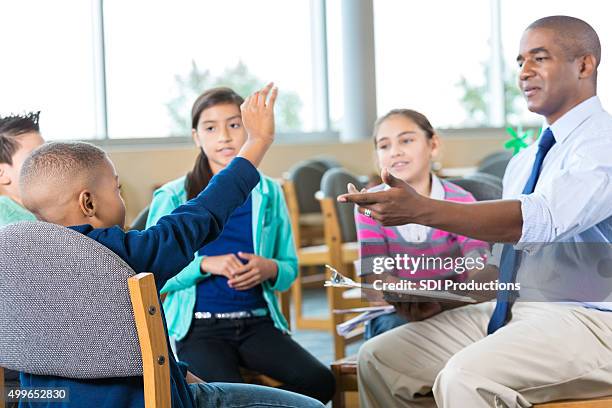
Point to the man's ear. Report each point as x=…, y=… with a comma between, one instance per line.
x=588, y=66
x=5, y=180
x=86, y=203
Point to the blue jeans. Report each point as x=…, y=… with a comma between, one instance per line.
x=382, y=324
x=231, y=395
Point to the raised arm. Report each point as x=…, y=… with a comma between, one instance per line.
x=169, y=246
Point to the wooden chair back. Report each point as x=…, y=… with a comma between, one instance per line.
x=153, y=344
x=341, y=258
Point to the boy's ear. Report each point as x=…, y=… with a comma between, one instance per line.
x=4, y=178
x=86, y=203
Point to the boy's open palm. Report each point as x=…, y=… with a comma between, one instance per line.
x=258, y=114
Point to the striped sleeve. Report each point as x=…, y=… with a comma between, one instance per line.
x=372, y=242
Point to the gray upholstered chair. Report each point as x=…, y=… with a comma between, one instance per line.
x=328, y=162
x=482, y=186
x=333, y=184
x=140, y=222
x=70, y=307
x=306, y=176
x=300, y=184
x=495, y=164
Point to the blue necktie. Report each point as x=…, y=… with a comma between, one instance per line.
x=509, y=257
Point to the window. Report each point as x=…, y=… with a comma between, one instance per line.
x=425, y=50
x=334, y=62
x=518, y=14
x=47, y=65
x=162, y=55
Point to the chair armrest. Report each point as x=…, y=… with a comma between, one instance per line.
x=152, y=337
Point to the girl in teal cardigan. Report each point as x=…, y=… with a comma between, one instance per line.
x=222, y=309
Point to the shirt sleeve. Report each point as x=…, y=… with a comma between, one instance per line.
x=576, y=199
x=494, y=259
x=169, y=246
x=284, y=250
x=163, y=203
x=372, y=243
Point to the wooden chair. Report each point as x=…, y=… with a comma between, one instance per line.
x=334, y=252
x=155, y=368
x=309, y=256
x=152, y=336
x=345, y=373
x=341, y=255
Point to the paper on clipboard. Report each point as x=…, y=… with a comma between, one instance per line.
x=340, y=281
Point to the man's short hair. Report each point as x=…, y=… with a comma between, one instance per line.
x=11, y=127
x=576, y=37
x=61, y=162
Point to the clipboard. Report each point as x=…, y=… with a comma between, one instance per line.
x=340, y=281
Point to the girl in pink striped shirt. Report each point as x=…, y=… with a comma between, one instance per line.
x=406, y=143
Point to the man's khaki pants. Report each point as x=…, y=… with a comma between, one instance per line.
x=547, y=352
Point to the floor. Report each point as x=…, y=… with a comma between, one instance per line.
x=318, y=342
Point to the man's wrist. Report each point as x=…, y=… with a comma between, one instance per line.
x=424, y=212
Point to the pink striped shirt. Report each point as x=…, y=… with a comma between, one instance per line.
x=436, y=248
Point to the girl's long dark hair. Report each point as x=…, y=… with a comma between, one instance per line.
x=199, y=177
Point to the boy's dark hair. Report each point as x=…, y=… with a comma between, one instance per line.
x=11, y=127
x=198, y=178
x=61, y=161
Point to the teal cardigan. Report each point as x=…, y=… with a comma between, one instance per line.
x=272, y=238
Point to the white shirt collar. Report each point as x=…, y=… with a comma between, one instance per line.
x=566, y=124
x=416, y=233
x=437, y=189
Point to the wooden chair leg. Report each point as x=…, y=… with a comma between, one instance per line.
x=296, y=295
x=334, y=296
x=300, y=321
x=338, y=400
x=285, y=305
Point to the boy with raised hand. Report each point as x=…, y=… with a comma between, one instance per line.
x=19, y=135
x=75, y=184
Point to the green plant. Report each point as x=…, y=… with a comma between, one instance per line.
x=476, y=102
x=194, y=82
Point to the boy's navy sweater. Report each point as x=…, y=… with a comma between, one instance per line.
x=164, y=249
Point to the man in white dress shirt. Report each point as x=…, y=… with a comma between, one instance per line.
x=559, y=190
